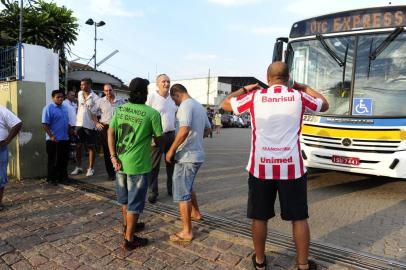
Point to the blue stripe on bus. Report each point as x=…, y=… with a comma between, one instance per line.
x=340, y=121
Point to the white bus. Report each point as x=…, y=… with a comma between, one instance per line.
x=357, y=60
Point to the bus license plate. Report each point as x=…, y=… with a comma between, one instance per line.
x=345, y=160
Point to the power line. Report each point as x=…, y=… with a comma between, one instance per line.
x=82, y=58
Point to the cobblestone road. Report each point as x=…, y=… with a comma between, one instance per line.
x=47, y=227
x=358, y=212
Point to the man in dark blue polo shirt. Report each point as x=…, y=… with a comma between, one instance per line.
x=55, y=121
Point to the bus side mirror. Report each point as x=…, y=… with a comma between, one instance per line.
x=278, y=49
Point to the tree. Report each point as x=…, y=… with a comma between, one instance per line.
x=44, y=24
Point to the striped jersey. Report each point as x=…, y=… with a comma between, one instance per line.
x=276, y=117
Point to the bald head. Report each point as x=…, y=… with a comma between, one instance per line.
x=278, y=73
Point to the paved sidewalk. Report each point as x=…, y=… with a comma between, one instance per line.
x=47, y=227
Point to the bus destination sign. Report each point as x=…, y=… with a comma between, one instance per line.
x=373, y=18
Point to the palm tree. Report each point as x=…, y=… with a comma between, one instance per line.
x=45, y=24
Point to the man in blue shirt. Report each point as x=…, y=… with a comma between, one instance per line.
x=55, y=121
x=187, y=152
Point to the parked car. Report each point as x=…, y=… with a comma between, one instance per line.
x=242, y=122
x=226, y=120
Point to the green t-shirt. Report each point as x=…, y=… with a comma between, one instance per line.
x=134, y=125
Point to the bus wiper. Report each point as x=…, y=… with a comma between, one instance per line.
x=329, y=50
x=345, y=64
x=388, y=40
x=392, y=36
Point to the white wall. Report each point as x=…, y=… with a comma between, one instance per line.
x=224, y=89
x=122, y=94
x=41, y=65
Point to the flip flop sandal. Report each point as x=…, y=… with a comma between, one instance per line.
x=258, y=265
x=177, y=238
x=196, y=219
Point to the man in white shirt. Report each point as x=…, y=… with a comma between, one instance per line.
x=106, y=107
x=71, y=106
x=10, y=125
x=275, y=165
x=70, y=103
x=162, y=102
x=85, y=125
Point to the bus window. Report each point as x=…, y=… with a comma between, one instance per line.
x=299, y=71
x=313, y=65
x=382, y=80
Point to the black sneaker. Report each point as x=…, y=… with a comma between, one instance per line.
x=136, y=243
x=152, y=199
x=312, y=265
x=53, y=183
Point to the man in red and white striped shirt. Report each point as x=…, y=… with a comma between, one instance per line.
x=275, y=164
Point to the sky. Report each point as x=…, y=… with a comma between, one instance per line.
x=186, y=38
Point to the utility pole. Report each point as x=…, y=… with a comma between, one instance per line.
x=20, y=42
x=95, y=44
x=208, y=89
x=66, y=70
x=20, y=34
x=96, y=24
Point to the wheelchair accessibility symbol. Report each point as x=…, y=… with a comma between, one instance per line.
x=362, y=106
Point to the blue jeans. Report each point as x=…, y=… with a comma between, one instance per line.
x=3, y=166
x=132, y=190
x=183, y=177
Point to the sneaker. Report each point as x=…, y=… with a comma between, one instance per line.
x=90, y=172
x=136, y=243
x=77, y=171
x=312, y=265
x=153, y=199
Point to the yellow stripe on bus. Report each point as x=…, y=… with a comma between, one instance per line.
x=356, y=134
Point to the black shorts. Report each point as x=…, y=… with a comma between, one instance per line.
x=292, y=198
x=87, y=136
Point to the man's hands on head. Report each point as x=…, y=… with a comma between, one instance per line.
x=299, y=86
x=308, y=90
x=251, y=87
x=226, y=105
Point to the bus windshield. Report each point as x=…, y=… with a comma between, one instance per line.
x=313, y=65
x=379, y=82
x=382, y=80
